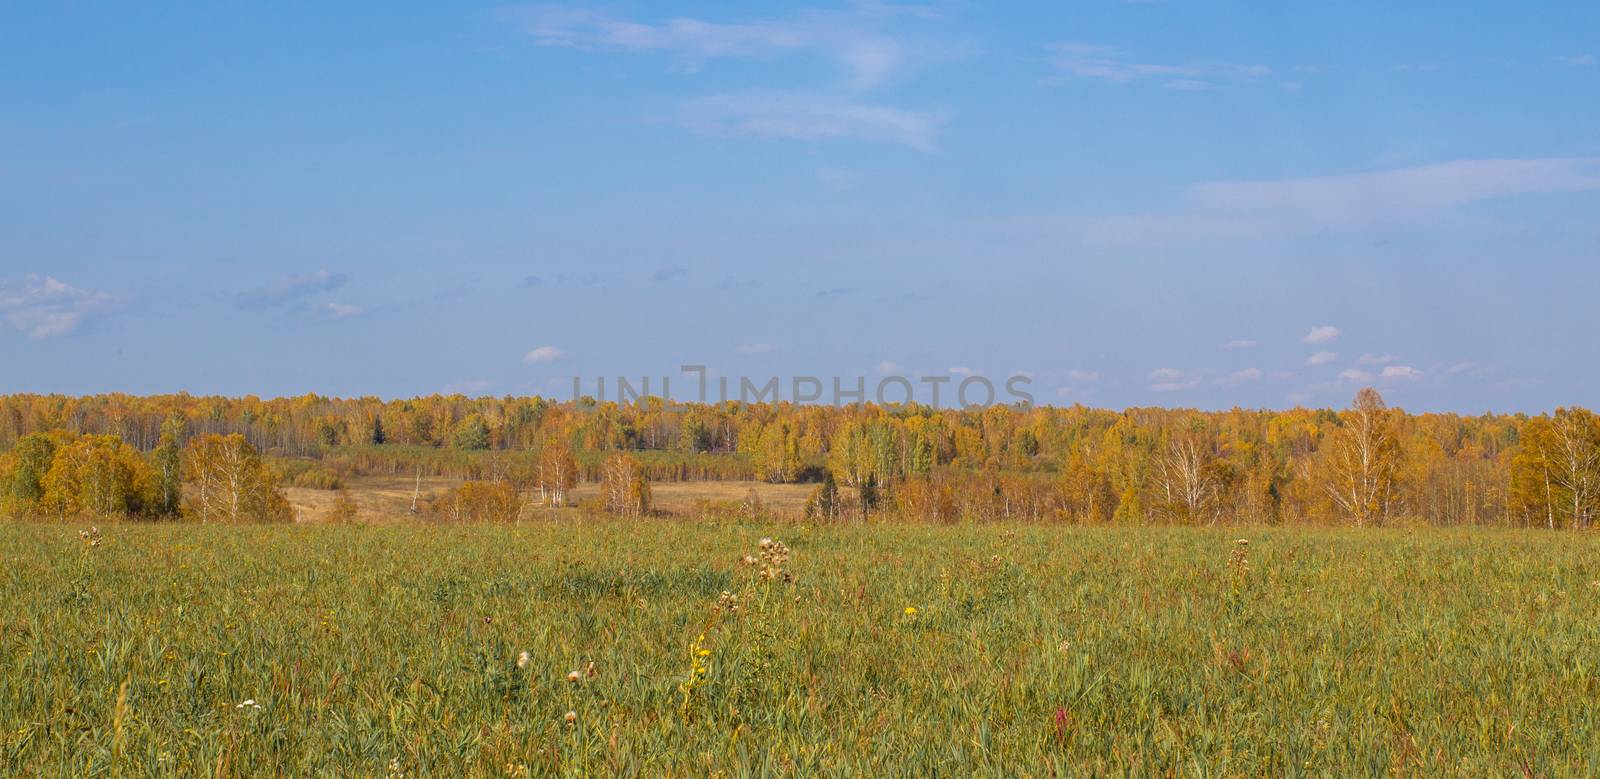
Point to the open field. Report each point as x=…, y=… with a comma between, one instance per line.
x=299, y=650
x=385, y=498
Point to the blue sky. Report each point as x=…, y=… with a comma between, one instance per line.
x=1155, y=203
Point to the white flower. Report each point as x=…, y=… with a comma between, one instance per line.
x=248, y=703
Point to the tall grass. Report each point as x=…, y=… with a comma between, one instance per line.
x=897, y=650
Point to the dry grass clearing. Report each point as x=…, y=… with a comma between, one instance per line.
x=388, y=498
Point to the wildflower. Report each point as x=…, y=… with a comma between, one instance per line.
x=248, y=703
x=748, y=560
x=911, y=611
x=728, y=602
x=590, y=671
x=571, y=717
x=1063, y=722
x=774, y=553
x=523, y=660
x=574, y=676
x=1239, y=563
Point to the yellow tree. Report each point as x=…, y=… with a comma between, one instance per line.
x=558, y=472
x=231, y=483
x=623, y=487
x=1556, y=473
x=1364, y=461
x=1191, y=478
x=97, y=474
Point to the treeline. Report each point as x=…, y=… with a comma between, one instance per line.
x=1367, y=464
x=210, y=478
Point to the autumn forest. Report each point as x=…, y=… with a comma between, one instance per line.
x=223, y=459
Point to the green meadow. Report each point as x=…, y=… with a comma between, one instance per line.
x=655, y=648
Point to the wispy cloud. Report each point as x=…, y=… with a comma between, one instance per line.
x=888, y=368
x=44, y=307
x=1108, y=64
x=1173, y=379
x=871, y=45
x=333, y=311
x=1322, y=334
x=867, y=43
x=667, y=274
x=1078, y=376
x=290, y=289
x=761, y=348
x=1376, y=359
x=1579, y=59
x=1321, y=358
x=809, y=116
x=1467, y=369
x=467, y=387
x=543, y=355
x=1239, y=344
x=1354, y=376
x=1400, y=372
x=1362, y=198
x=1226, y=211
x=1240, y=377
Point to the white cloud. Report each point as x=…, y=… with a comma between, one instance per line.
x=290, y=289
x=467, y=387
x=1172, y=379
x=1364, y=198
x=858, y=41
x=962, y=371
x=1355, y=376
x=761, y=348
x=1239, y=344
x=888, y=368
x=1468, y=368
x=44, y=307
x=809, y=116
x=1109, y=65
x=1306, y=394
x=1376, y=359
x=1228, y=211
x=543, y=354
x=1401, y=372
x=1240, y=377
x=1082, y=377
x=1321, y=358
x=1322, y=335
x=1579, y=59
x=337, y=310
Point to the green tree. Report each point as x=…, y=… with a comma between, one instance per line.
x=30, y=461
x=472, y=434
x=168, y=461
x=824, y=503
